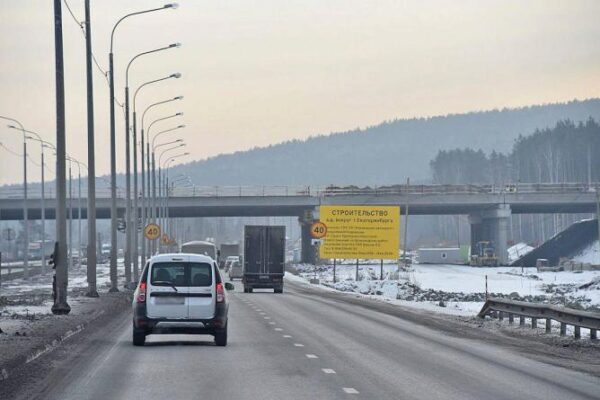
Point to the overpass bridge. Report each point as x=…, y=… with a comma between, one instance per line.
x=489, y=207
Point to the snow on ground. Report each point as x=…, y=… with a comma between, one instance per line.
x=518, y=250
x=589, y=254
x=456, y=289
x=25, y=298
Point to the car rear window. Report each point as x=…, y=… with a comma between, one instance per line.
x=181, y=274
x=200, y=274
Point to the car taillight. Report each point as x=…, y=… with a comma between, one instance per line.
x=220, y=293
x=141, y=296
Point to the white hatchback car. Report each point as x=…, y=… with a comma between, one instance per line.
x=180, y=293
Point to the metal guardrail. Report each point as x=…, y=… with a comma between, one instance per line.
x=333, y=190
x=578, y=319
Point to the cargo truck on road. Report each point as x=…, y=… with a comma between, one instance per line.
x=264, y=257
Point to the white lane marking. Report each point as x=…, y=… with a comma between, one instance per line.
x=271, y=323
x=328, y=370
x=298, y=345
x=267, y=317
x=278, y=329
x=287, y=336
x=350, y=390
x=312, y=356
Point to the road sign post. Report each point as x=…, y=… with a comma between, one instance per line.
x=152, y=231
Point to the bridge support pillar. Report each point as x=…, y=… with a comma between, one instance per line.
x=493, y=226
x=308, y=252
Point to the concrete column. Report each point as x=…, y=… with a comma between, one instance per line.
x=308, y=251
x=493, y=226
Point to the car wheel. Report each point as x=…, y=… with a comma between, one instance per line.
x=278, y=290
x=221, y=337
x=250, y=290
x=139, y=337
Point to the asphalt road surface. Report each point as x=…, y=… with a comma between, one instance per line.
x=299, y=345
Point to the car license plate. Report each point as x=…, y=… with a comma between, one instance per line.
x=264, y=277
x=170, y=300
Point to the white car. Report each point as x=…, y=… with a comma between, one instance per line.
x=229, y=260
x=180, y=293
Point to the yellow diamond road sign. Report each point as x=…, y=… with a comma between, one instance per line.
x=152, y=231
x=360, y=232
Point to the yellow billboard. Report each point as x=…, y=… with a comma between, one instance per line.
x=360, y=232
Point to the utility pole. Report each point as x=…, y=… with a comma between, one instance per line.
x=406, y=223
x=91, y=196
x=598, y=219
x=60, y=305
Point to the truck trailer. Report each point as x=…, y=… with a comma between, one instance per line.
x=264, y=258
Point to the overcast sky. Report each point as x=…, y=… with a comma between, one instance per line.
x=260, y=72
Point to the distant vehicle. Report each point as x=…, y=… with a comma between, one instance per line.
x=180, y=293
x=228, y=262
x=264, y=257
x=201, y=247
x=227, y=250
x=236, y=270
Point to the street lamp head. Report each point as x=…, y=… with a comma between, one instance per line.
x=176, y=75
x=175, y=45
x=179, y=114
x=29, y=137
x=172, y=5
x=12, y=127
x=179, y=140
x=181, y=126
x=178, y=98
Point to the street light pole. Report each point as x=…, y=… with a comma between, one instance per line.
x=166, y=188
x=25, y=208
x=145, y=171
x=113, y=166
x=154, y=204
x=135, y=205
x=43, y=144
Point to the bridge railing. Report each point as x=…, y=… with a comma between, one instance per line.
x=328, y=191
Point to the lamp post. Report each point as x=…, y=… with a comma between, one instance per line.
x=25, y=215
x=156, y=199
x=79, y=164
x=135, y=261
x=113, y=164
x=145, y=171
x=43, y=144
x=166, y=187
x=133, y=225
x=154, y=210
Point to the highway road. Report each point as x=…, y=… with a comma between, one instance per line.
x=302, y=345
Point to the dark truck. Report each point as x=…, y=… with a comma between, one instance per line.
x=264, y=257
x=228, y=250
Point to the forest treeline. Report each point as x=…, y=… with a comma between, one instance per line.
x=566, y=152
x=383, y=154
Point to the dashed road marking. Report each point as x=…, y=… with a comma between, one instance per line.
x=278, y=329
x=287, y=336
x=328, y=370
x=271, y=323
x=267, y=317
x=312, y=356
x=298, y=345
x=350, y=390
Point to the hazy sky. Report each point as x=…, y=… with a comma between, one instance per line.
x=260, y=72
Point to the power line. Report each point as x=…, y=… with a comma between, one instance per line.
x=83, y=32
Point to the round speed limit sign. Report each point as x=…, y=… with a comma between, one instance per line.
x=152, y=231
x=318, y=230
